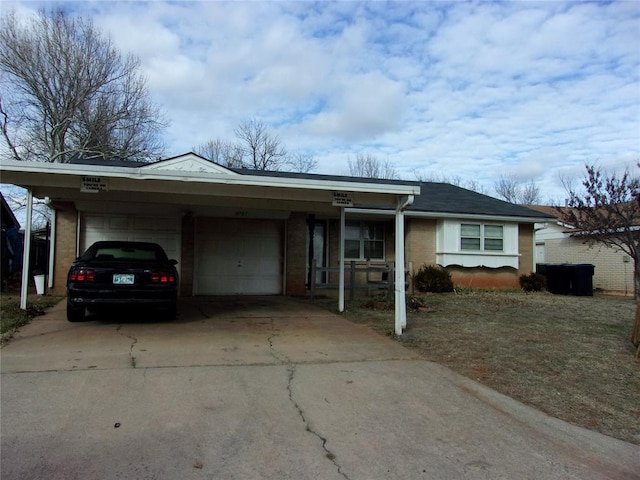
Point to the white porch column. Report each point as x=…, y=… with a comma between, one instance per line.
x=52, y=247
x=400, y=301
x=399, y=281
x=341, y=259
x=24, y=287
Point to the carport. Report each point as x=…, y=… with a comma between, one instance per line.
x=199, y=211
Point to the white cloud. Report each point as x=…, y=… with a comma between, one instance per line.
x=467, y=89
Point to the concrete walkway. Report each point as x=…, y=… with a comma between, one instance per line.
x=266, y=388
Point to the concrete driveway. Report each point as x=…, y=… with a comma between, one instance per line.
x=266, y=388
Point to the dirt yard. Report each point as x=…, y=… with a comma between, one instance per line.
x=568, y=356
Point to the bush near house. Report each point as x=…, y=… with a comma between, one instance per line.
x=434, y=279
x=534, y=282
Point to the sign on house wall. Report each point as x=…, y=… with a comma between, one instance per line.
x=93, y=184
x=342, y=199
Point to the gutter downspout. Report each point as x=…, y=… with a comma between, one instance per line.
x=399, y=281
x=52, y=244
x=26, y=253
x=341, y=257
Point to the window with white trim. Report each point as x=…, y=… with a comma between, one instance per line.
x=479, y=237
x=364, y=241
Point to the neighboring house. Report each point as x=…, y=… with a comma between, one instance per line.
x=557, y=243
x=11, y=255
x=247, y=232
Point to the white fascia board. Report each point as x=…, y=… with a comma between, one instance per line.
x=200, y=177
x=461, y=216
x=372, y=211
x=475, y=216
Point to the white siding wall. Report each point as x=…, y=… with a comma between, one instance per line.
x=450, y=253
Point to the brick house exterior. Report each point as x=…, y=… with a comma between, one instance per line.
x=207, y=195
x=555, y=244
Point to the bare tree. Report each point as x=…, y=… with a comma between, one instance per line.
x=507, y=188
x=607, y=212
x=457, y=180
x=301, y=162
x=421, y=176
x=475, y=186
x=530, y=194
x=369, y=166
x=511, y=190
x=222, y=152
x=16, y=197
x=67, y=91
x=261, y=149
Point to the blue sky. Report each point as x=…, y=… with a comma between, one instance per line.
x=465, y=89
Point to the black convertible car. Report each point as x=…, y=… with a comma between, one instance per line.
x=122, y=274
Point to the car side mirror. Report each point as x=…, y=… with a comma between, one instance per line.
x=173, y=261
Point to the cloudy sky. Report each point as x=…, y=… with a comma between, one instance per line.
x=472, y=90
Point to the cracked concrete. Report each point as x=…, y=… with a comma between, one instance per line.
x=308, y=427
x=134, y=340
x=266, y=388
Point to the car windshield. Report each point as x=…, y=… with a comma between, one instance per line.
x=127, y=252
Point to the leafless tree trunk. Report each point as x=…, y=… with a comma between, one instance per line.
x=369, y=166
x=68, y=92
x=262, y=150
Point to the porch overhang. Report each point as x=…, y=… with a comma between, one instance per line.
x=189, y=192
x=62, y=182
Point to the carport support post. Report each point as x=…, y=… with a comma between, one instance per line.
x=24, y=287
x=341, y=253
x=400, y=301
x=52, y=247
x=400, y=296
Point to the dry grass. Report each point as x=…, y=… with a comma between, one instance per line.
x=568, y=356
x=12, y=317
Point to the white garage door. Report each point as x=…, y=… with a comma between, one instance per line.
x=164, y=231
x=238, y=257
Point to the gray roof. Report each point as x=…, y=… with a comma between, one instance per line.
x=450, y=199
x=434, y=197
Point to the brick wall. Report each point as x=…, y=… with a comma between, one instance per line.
x=65, y=245
x=480, y=277
x=296, y=255
x=187, y=256
x=420, y=241
x=611, y=273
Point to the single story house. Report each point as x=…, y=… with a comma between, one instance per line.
x=248, y=232
x=557, y=242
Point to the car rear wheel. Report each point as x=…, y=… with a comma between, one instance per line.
x=75, y=313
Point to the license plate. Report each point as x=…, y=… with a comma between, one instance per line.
x=123, y=279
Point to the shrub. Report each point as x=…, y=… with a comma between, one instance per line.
x=415, y=303
x=534, y=282
x=432, y=278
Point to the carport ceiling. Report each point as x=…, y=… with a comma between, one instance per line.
x=62, y=182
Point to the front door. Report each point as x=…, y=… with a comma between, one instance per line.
x=317, y=248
